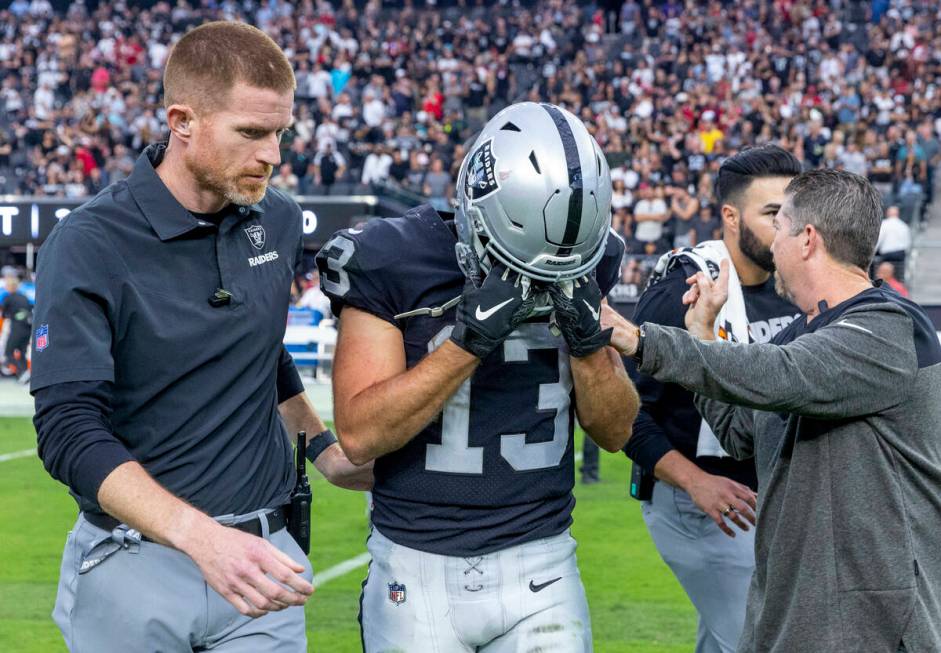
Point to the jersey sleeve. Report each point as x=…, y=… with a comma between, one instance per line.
x=609, y=268
x=72, y=333
x=357, y=268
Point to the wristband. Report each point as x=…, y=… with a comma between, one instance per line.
x=318, y=443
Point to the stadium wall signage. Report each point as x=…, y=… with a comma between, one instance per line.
x=26, y=220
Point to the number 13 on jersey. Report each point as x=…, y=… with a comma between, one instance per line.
x=455, y=455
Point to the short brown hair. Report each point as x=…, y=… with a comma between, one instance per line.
x=845, y=208
x=209, y=60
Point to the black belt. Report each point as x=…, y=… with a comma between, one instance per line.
x=276, y=521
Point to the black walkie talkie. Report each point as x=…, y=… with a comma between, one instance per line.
x=299, y=517
x=641, y=483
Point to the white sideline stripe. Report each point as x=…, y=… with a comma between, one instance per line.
x=361, y=560
x=341, y=569
x=17, y=454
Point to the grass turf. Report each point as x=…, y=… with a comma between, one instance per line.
x=636, y=604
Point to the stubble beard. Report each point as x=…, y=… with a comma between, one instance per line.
x=212, y=179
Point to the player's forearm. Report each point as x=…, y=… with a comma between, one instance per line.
x=131, y=495
x=605, y=399
x=338, y=469
x=385, y=416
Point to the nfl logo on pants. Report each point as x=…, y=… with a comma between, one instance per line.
x=42, y=337
x=396, y=592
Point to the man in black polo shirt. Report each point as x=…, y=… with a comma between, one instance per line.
x=687, y=513
x=163, y=393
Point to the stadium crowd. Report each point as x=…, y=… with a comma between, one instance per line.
x=389, y=94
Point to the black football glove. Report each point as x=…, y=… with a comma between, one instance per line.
x=577, y=314
x=487, y=315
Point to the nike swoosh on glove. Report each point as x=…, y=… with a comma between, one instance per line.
x=577, y=314
x=490, y=313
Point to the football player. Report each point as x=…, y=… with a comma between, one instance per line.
x=467, y=346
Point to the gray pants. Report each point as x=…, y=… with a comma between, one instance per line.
x=713, y=568
x=149, y=597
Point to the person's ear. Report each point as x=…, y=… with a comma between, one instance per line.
x=810, y=241
x=180, y=118
x=730, y=218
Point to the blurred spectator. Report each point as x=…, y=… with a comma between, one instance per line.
x=438, y=185
x=895, y=239
x=706, y=226
x=683, y=208
x=312, y=297
x=329, y=166
x=377, y=165
x=286, y=180
x=853, y=160
x=650, y=213
x=886, y=272
x=17, y=320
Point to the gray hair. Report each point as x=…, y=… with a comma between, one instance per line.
x=844, y=208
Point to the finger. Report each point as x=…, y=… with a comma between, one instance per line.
x=691, y=296
x=244, y=606
x=750, y=498
x=720, y=522
x=738, y=520
x=746, y=494
x=283, y=572
x=283, y=592
x=690, y=280
x=745, y=511
x=271, y=591
x=257, y=600
x=284, y=558
x=703, y=281
x=241, y=605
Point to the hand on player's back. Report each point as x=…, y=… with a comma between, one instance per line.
x=577, y=314
x=490, y=313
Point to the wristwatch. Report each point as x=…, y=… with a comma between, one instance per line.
x=638, y=355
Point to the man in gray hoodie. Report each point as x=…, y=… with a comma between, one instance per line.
x=843, y=416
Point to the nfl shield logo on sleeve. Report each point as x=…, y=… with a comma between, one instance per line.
x=42, y=338
x=396, y=592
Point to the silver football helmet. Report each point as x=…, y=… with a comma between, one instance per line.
x=534, y=193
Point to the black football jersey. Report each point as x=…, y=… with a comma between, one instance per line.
x=495, y=469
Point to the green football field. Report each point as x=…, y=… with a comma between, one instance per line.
x=636, y=604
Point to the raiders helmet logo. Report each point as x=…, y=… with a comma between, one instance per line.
x=481, y=180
